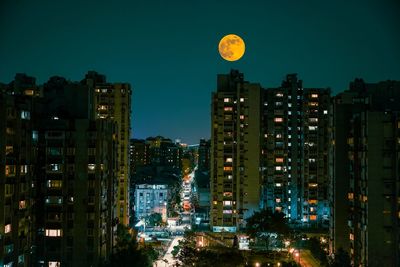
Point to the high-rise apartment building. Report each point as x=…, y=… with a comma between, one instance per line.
x=112, y=101
x=295, y=151
x=235, y=152
x=75, y=181
x=59, y=165
x=17, y=163
x=365, y=167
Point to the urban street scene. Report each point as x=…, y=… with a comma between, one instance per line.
x=210, y=133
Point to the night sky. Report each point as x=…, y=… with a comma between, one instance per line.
x=167, y=50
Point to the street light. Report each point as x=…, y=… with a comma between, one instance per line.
x=257, y=264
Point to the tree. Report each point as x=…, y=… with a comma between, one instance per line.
x=127, y=252
x=314, y=245
x=267, y=221
x=187, y=253
x=154, y=219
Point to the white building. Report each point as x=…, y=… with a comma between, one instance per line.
x=150, y=199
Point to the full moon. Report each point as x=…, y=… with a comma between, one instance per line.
x=231, y=47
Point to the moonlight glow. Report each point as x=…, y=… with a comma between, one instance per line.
x=231, y=47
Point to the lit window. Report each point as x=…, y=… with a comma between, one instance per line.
x=278, y=119
x=7, y=228
x=228, y=160
x=241, y=99
x=91, y=167
x=278, y=136
x=10, y=170
x=228, y=108
x=215, y=202
x=24, y=169
x=227, y=211
x=227, y=194
x=312, y=201
x=289, y=105
x=53, y=232
x=279, y=94
x=351, y=237
x=278, y=184
x=22, y=204
x=350, y=196
x=54, y=200
x=313, y=104
x=9, y=150
x=227, y=203
x=242, y=117
x=325, y=111
x=54, y=183
x=55, y=167
x=279, y=160
x=313, y=185
x=25, y=115
x=227, y=168
x=313, y=217
x=227, y=100
x=313, y=119
x=312, y=128
x=314, y=95
x=278, y=168
x=278, y=200
x=102, y=107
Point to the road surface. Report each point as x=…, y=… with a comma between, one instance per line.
x=168, y=260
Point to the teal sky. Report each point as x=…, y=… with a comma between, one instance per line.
x=167, y=50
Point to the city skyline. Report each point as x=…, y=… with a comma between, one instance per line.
x=151, y=46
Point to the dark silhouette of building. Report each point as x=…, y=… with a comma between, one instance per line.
x=364, y=173
x=295, y=147
x=18, y=140
x=60, y=169
x=204, y=155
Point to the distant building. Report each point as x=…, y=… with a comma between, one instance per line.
x=204, y=154
x=139, y=154
x=164, y=152
x=151, y=199
x=295, y=151
x=235, y=152
x=365, y=186
x=202, y=183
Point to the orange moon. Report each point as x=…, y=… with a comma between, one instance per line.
x=231, y=47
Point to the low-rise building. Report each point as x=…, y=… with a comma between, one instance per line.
x=151, y=198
